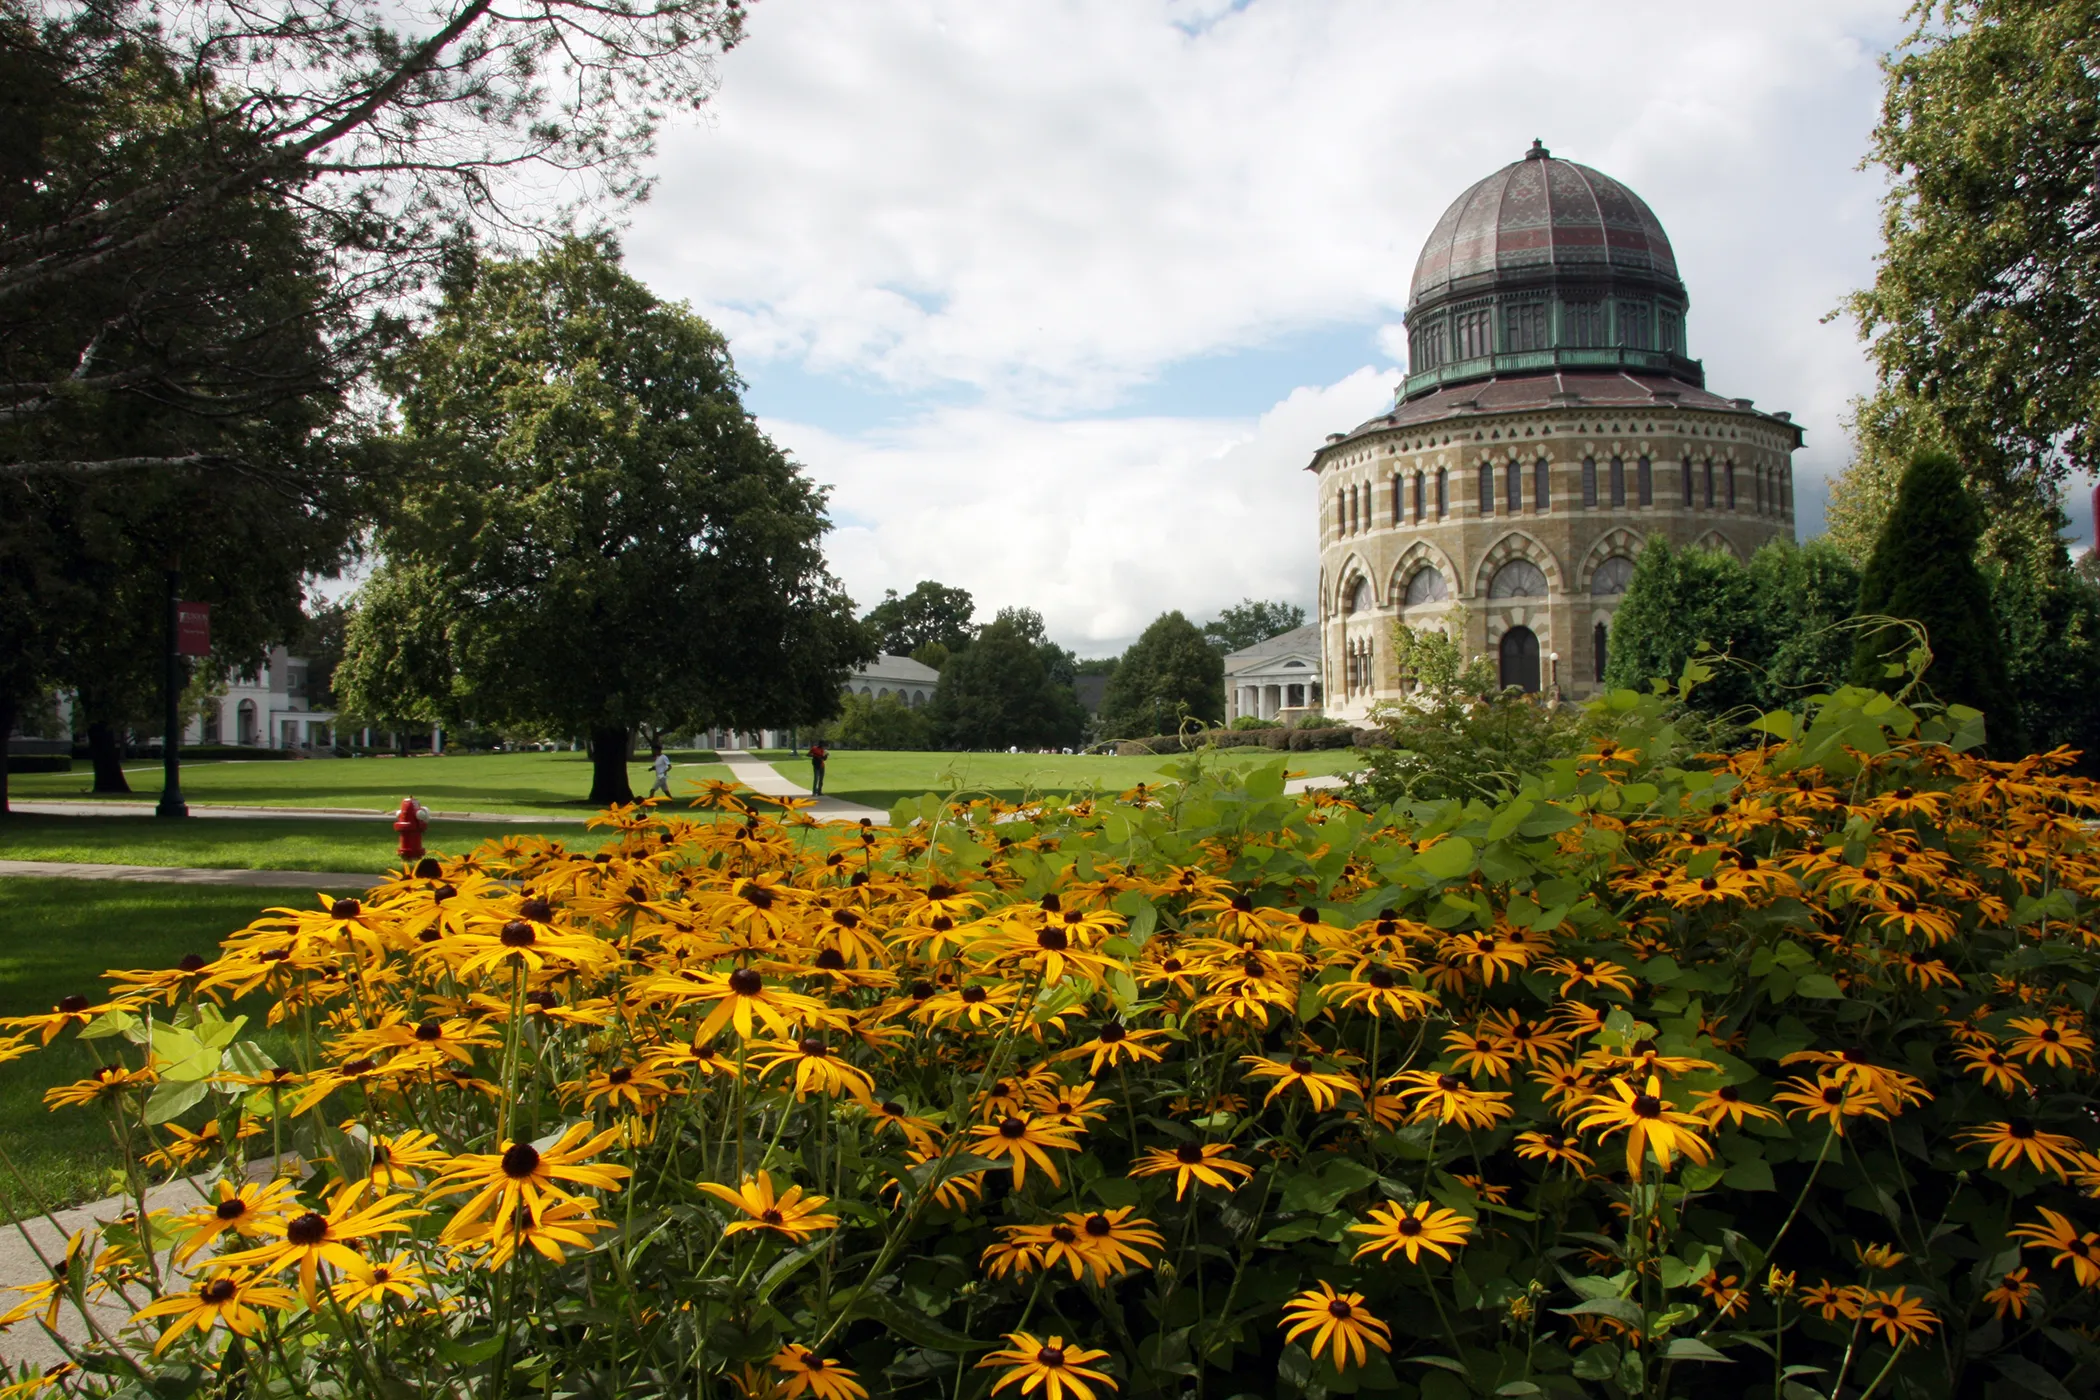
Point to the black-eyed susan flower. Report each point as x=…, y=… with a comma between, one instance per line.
x=550, y=1231
x=105, y=1085
x=230, y=1300
x=1114, y=1241
x=1206, y=1164
x=1990, y=1064
x=814, y=1068
x=1047, y=1365
x=742, y=1000
x=803, y=1372
x=1723, y=1293
x=1450, y=1100
x=2016, y=1140
x=398, y=1279
x=789, y=1213
x=1116, y=1044
x=1337, y=1323
x=2054, y=1041
x=1021, y=1138
x=2080, y=1252
x=1828, y=1100
x=1396, y=1229
x=245, y=1208
x=2013, y=1293
x=1896, y=1315
x=1558, y=1149
x=923, y=1134
x=1651, y=1124
x=525, y=1175
x=1726, y=1104
x=1324, y=1087
x=333, y=1237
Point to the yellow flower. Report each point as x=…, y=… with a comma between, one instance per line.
x=795, y=1215
x=524, y=1175
x=1878, y=1256
x=1206, y=1164
x=1022, y=1139
x=1338, y=1322
x=817, y=1070
x=1829, y=1099
x=374, y=1282
x=1449, y=1099
x=105, y=1084
x=1651, y=1124
x=1050, y=1366
x=245, y=1209
x=1116, y=1044
x=2017, y=1140
x=557, y=1226
x=223, y=1300
x=1552, y=1147
x=1896, y=1315
x=1400, y=1229
x=1727, y=1103
x=809, y=1373
x=2055, y=1041
x=314, y=1238
x=2081, y=1252
x=2013, y=1293
x=1323, y=1087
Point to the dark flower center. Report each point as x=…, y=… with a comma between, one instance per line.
x=1112, y=1033
x=517, y=934
x=1647, y=1106
x=1051, y=903
x=2020, y=1129
x=231, y=1210
x=360, y=1067
x=428, y=869
x=218, y=1290
x=1050, y=1356
x=938, y=891
x=1064, y=1234
x=941, y=923
x=892, y=1109
x=191, y=963
x=815, y=1048
x=1098, y=1225
x=746, y=983
x=771, y=1217
x=73, y=1005
x=845, y=918
x=307, y=1229
x=620, y=1075
x=520, y=1160
x=1450, y=1083
x=1409, y=1226
x=1301, y=1066
x=831, y=960
x=1188, y=1153
x=757, y=896
x=1243, y=903
x=430, y=1030
x=1052, y=940
x=1013, y=1128
x=345, y=909
x=972, y=995
x=921, y=990
x=1380, y=978
x=1340, y=1308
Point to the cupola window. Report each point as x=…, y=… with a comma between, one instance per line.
x=1519, y=578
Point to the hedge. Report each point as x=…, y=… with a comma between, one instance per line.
x=1296, y=740
x=39, y=763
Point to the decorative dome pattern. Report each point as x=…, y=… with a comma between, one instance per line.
x=1540, y=213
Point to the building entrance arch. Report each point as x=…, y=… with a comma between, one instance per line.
x=1520, y=659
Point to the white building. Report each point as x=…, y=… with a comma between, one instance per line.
x=1278, y=679
x=888, y=677
x=266, y=709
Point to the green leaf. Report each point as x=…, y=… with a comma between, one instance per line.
x=914, y=1327
x=1618, y=1309
x=1819, y=986
x=1690, y=1349
x=1320, y=1191
x=2031, y=1377
x=1447, y=859
x=175, y=1097
x=1509, y=818
x=1443, y=1361
x=1596, y=1363
x=1751, y=1174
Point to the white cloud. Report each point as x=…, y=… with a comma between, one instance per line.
x=1098, y=524
x=1041, y=209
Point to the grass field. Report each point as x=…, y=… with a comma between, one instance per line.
x=543, y=783
x=57, y=937
x=878, y=779
x=252, y=843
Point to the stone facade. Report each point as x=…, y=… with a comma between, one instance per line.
x=1403, y=494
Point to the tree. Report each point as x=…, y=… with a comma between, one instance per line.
x=1983, y=306
x=1252, y=620
x=1170, y=673
x=602, y=539
x=1679, y=601
x=1007, y=690
x=386, y=136
x=1924, y=572
x=931, y=615
x=869, y=722
x=1806, y=596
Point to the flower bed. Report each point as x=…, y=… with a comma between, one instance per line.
x=1767, y=1074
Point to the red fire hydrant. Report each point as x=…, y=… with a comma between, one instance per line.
x=411, y=821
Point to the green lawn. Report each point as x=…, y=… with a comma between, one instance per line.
x=878, y=779
x=56, y=938
x=528, y=783
x=252, y=843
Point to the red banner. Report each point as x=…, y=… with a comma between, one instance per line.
x=193, y=629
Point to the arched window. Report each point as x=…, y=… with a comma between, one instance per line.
x=1541, y=484
x=1600, y=648
x=1359, y=598
x=1519, y=578
x=918, y=698
x=1487, y=489
x=1513, y=489
x=1589, y=483
x=1443, y=492
x=1341, y=514
x=1397, y=501
x=1426, y=585
x=1646, y=474
x=1614, y=575
x=244, y=725
x=1731, y=486
x=1352, y=499
x=1687, y=468
x=1520, y=659
x=1418, y=498
x=1618, y=481
x=883, y=694
x=1709, y=483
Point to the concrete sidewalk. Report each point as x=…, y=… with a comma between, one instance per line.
x=763, y=780
x=190, y=875
x=122, y=808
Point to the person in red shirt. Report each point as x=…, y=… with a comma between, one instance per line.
x=817, y=754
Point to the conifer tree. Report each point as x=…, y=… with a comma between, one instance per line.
x=1924, y=571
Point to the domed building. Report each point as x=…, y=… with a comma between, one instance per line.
x=1551, y=420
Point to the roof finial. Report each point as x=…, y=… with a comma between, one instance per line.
x=1538, y=150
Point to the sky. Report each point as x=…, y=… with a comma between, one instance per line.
x=1058, y=298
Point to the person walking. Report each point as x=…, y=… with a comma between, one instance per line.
x=817, y=754
x=661, y=765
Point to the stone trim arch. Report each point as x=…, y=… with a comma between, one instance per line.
x=1414, y=557
x=1354, y=566
x=1519, y=544
x=1714, y=539
x=1617, y=541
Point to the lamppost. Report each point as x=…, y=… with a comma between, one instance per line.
x=171, y=803
x=1553, y=672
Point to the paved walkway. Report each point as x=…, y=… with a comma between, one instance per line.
x=26, y=1341
x=190, y=875
x=763, y=780
x=121, y=808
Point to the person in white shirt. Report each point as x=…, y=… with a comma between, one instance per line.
x=662, y=766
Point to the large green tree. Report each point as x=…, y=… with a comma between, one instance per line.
x=1924, y=572
x=1170, y=673
x=932, y=614
x=601, y=532
x=1013, y=686
x=1986, y=306
x=1252, y=620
